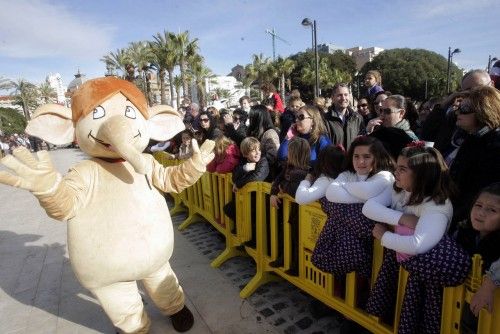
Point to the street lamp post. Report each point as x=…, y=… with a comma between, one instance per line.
x=450, y=58
x=307, y=22
x=426, y=89
x=491, y=60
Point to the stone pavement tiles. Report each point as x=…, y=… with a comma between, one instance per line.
x=281, y=304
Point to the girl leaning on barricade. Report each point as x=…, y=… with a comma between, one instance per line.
x=295, y=170
x=345, y=243
x=413, y=233
x=481, y=235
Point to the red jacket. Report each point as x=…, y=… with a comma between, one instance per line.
x=278, y=104
x=226, y=162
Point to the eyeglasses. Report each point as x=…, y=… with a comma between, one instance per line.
x=204, y=120
x=464, y=110
x=301, y=117
x=236, y=119
x=388, y=111
x=364, y=105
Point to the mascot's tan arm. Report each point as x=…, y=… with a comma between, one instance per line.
x=177, y=178
x=58, y=197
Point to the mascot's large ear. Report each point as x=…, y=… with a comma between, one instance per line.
x=52, y=123
x=164, y=122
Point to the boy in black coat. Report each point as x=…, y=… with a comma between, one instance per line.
x=253, y=167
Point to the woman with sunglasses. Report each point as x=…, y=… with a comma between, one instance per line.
x=365, y=110
x=234, y=126
x=208, y=127
x=477, y=163
x=392, y=114
x=308, y=125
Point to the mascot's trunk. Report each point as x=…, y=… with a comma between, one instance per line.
x=117, y=132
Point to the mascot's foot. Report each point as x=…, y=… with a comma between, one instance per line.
x=182, y=320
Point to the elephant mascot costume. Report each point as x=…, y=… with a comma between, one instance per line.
x=119, y=227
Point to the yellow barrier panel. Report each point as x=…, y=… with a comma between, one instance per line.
x=179, y=199
x=206, y=199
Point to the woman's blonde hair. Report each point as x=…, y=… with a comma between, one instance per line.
x=295, y=99
x=320, y=103
x=221, y=144
x=485, y=101
x=318, y=125
x=299, y=153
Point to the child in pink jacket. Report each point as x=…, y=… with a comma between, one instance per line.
x=227, y=156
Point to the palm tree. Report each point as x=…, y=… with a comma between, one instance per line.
x=200, y=72
x=247, y=81
x=259, y=69
x=118, y=60
x=178, y=84
x=184, y=48
x=141, y=55
x=26, y=95
x=334, y=76
x=328, y=76
x=165, y=59
x=284, y=68
x=47, y=92
x=6, y=83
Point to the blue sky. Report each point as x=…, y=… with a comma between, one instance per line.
x=42, y=36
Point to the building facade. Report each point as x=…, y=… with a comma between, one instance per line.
x=363, y=55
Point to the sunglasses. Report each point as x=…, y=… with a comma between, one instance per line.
x=364, y=105
x=464, y=110
x=236, y=119
x=388, y=111
x=301, y=117
x=204, y=120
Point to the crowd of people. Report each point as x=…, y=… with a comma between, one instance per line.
x=423, y=179
x=8, y=143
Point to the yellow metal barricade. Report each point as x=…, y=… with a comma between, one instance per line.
x=206, y=199
x=263, y=221
x=236, y=232
x=179, y=199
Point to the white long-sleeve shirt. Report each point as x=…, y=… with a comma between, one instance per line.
x=432, y=223
x=307, y=193
x=350, y=187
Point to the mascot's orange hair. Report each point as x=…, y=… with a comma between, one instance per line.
x=93, y=92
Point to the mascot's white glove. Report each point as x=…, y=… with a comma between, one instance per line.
x=202, y=155
x=35, y=175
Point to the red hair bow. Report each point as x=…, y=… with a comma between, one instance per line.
x=416, y=143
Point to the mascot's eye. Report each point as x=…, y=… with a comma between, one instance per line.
x=130, y=112
x=99, y=112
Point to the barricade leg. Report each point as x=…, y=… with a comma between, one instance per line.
x=227, y=254
x=178, y=207
x=453, y=304
x=260, y=278
x=226, y=196
x=263, y=273
x=194, y=218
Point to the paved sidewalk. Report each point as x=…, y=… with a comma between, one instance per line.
x=39, y=292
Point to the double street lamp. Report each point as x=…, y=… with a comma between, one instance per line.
x=450, y=58
x=308, y=23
